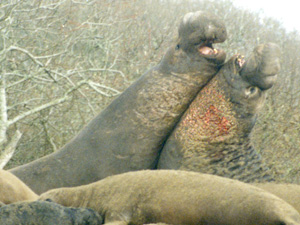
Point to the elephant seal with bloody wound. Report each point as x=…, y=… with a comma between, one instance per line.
x=128, y=135
x=176, y=197
x=213, y=136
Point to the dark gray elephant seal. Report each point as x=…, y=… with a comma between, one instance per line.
x=46, y=213
x=213, y=136
x=176, y=197
x=130, y=132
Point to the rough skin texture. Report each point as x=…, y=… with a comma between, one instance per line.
x=129, y=134
x=12, y=189
x=176, y=197
x=213, y=136
x=46, y=213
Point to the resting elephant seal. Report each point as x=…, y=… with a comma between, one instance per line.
x=12, y=189
x=213, y=136
x=288, y=192
x=176, y=197
x=129, y=134
x=46, y=213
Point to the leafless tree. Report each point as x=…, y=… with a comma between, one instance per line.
x=63, y=61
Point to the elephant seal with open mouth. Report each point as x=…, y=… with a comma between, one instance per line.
x=213, y=136
x=128, y=135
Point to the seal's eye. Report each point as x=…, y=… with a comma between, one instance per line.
x=177, y=47
x=250, y=91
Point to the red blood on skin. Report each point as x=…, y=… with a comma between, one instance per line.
x=210, y=116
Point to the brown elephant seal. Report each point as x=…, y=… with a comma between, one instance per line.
x=46, y=213
x=288, y=192
x=176, y=197
x=129, y=134
x=12, y=189
x=213, y=136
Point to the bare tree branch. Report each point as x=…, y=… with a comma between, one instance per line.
x=47, y=105
x=3, y=111
x=9, y=149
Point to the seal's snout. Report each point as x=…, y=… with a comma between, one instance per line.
x=200, y=26
x=263, y=65
x=198, y=31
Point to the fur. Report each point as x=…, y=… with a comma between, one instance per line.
x=177, y=197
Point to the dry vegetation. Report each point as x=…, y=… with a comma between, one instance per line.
x=63, y=61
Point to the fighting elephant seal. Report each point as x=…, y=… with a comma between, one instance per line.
x=176, y=197
x=12, y=189
x=130, y=132
x=213, y=136
x=46, y=213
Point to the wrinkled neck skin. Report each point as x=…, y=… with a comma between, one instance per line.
x=214, y=133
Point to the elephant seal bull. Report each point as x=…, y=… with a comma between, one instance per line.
x=213, y=136
x=128, y=135
x=176, y=197
x=12, y=189
x=46, y=213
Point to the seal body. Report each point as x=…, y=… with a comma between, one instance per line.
x=288, y=192
x=45, y=213
x=176, y=197
x=213, y=136
x=12, y=189
x=129, y=134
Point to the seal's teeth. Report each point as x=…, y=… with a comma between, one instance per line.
x=240, y=60
x=215, y=51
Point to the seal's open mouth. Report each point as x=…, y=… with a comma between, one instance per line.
x=207, y=49
x=240, y=61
